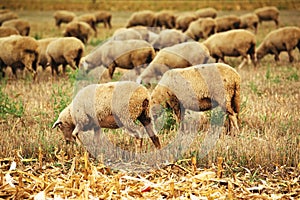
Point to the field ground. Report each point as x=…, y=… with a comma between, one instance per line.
x=262, y=161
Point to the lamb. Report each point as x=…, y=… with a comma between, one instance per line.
x=18, y=52
x=183, y=21
x=227, y=22
x=7, y=31
x=282, y=39
x=181, y=55
x=111, y=105
x=206, y=12
x=127, y=54
x=126, y=34
x=88, y=18
x=7, y=16
x=268, y=13
x=199, y=88
x=249, y=20
x=142, y=18
x=21, y=25
x=168, y=37
x=232, y=43
x=80, y=30
x=165, y=19
x=103, y=17
x=42, y=47
x=63, y=16
x=67, y=50
x=201, y=28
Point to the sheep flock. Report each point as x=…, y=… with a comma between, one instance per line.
x=182, y=52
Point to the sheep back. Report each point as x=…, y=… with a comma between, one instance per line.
x=183, y=21
x=80, y=30
x=206, y=12
x=165, y=19
x=227, y=22
x=7, y=16
x=268, y=13
x=249, y=20
x=21, y=25
x=126, y=34
x=168, y=37
x=7, y=31
x=201, y=28
x=63, y=16
x=142, y=18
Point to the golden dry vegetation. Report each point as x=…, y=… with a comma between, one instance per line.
x=262, y=161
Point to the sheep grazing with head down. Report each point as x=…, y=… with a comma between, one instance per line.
x=111, y=105
x=142, y=18
x=126, y=34
x=88, y=18
x=183, y=21
x=8, y=31
x=103, y=17
x=199, y=88
x=127, y=54
x=249, y=20
x=227, y=22
x=181, y=55
x=169, y=37
x=64, y=51
x=165, y=19
x=268, y=13
x=206, y=12
x=63, y=16
x=282, y=39
x=201, y=28
x=80, y=30
x=18, y=52
x=43, y=44
x=232, y=43
x=21, y=25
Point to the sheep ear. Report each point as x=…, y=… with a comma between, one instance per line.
x=57, y=123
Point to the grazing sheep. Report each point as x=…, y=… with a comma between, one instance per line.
x=232, y=43
x=42, y=47
x=165, y=19
x=7, y=31
x=178, y=56
x=201, y=28
x=80, y=30
x=111, y=105
x=103, y=17
x=227, y=22
x=249, y=20
x=142, y=18
x=63, y=16
x=7, y=16
x=18, y=52
x=126, y=34
x=21, y=25
x=88, y=18
x=66, y=50
x=127, y=54
x=144, y=32
x=168, y=37
x=268, y=13
x=199, y=88
x=183, y=21
x=282, y=39
x=206, y=12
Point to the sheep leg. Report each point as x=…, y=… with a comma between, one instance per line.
x=75, y=135
x=111, y=69
x=291, y=57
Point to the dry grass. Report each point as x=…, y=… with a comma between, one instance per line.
x=266, y=152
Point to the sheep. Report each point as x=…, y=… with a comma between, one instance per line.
x=42, y=47
x=249, y=20
x=227, y=22
x=199, y=88
x=126, y=34
x=80, y=30
x=111, y=105
x=282, y=39
x=206, y=12
x=2, y=11
x=104, y=17
x=66, y=50
x=7, y=16
x=21, y=25
x=165, y=19
x=178, y=56
x=201, y=28
x=127, y=54
x=88, y=18
x=168, y=37
x=63, y=16
x=234, y=43
x=142, y=18
x=183, y=21
x=268, y=13
x=7, y=31
x=18, y=52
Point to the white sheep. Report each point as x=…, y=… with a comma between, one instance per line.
x=142, y=18
x=126, y=34
x=104, y=17
x=232, y=43
x=165, y=19
x=64, y=51
x=178, y=56
x=201, y=28
x=42, y=47
x=7, y=16
x=21, y=25
x=127, y=54
x=169, y=37
x=183, y=21
x=7, y=31
x=268, y=13
x=63, y=16
x=18, y=52
x=199, y=88
x=249, y=20
x=282, y=39
x=88, y=18
x=206, y=12
x=80, y=30
x=227, y=22
x=111, y=105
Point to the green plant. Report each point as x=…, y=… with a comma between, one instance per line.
x=9, y=106
x=60, y=101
